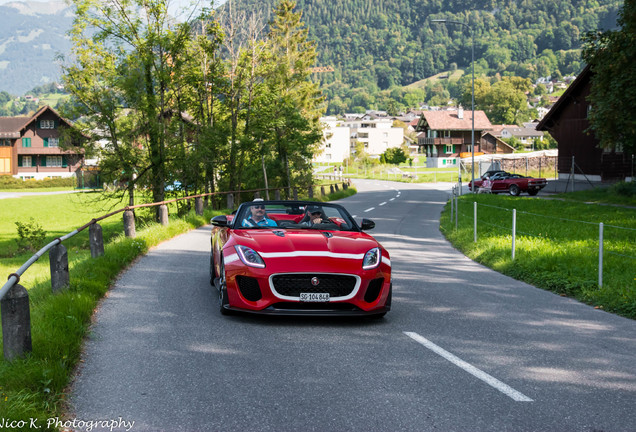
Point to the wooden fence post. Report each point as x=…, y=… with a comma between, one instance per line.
x=336, y=186
x=322, y=191
x=96, y=240
x=344, y=186
x=277, y=194
x=58, y=258
x=310, y=192
x=163, y=214
x=16, y=322
x=198, y=206
x=330, y=188
x=295, y=194
x=129, y=224
x=230, y=201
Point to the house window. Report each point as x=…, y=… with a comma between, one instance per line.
x=47, y=124
x=328, y=156
x=448, y=149
x=26, y=142
x=5, y=142
x=328, y=145
x=447, y=134
x=51, y=142
x=54, y=161
x=26, y=161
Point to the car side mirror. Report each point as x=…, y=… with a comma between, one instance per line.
x=367, y=224
x=220, y=221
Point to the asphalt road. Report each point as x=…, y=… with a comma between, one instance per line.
x=463, y=349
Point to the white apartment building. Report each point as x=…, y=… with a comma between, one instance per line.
x=376, y=135
x=336, y=140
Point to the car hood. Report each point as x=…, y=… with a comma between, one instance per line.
x=287, y=242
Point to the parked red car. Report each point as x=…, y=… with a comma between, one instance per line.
x=298, y=258
x=485, y=176
x=513, y=184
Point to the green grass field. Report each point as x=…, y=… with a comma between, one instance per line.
x=556, y=245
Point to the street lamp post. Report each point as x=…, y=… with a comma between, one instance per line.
x=472, y=63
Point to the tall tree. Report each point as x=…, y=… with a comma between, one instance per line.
x=143, y=48
x=611, y=57
x=297, y=101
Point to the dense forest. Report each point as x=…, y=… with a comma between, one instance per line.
x=378, y=46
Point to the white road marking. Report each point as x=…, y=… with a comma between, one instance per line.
x=391, y=199
x=488, y=379
x=369, y=209
x=383, y=203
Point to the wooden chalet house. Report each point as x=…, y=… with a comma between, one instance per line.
x=30, y=146
x=567, y=123
x=445, y=136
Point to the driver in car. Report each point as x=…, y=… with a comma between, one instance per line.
x=314, y=215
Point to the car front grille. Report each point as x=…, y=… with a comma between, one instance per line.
x=293, y=284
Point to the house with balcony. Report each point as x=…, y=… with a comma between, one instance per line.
x=445, y=136
x=39, y=146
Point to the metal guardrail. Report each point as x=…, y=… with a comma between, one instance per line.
x=15, y=344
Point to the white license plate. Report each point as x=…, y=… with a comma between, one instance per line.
x=314, y=297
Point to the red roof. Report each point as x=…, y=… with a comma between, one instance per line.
x=449, y=120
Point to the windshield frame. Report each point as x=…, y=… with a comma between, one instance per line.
x=296, y=211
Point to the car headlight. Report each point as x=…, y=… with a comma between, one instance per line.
x=371, y=259
x=249, y=256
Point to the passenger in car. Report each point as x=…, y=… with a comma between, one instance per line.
x=258, y=217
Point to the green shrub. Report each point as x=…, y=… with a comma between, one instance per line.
x=8, y=182
x=627, y=189
x=31, y=235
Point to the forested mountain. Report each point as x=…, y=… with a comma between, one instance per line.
x=378, y=45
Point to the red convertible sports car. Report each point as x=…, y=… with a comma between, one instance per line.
x=513, y=184
x=298, y=258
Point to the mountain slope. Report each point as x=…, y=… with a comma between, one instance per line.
x=379, y=44
x=31, y=35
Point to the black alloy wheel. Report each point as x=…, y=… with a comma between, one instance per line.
x=514, y=190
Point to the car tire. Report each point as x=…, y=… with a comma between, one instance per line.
x=533, y=192
x=514, y=190
x=223, y=300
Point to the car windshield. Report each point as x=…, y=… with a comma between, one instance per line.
x=293, y=215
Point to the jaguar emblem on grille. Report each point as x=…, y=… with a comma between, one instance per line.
x=315, y=281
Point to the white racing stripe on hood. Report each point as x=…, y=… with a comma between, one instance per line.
x=310, y=254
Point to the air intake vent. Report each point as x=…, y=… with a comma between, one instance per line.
x=373, y=290
x=249, y=288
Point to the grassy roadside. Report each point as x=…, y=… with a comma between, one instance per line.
x=556, y=244
x=34, y=387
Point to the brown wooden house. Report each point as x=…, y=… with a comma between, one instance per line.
x=567, y=122
x=31, y=147
x=445, y=135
